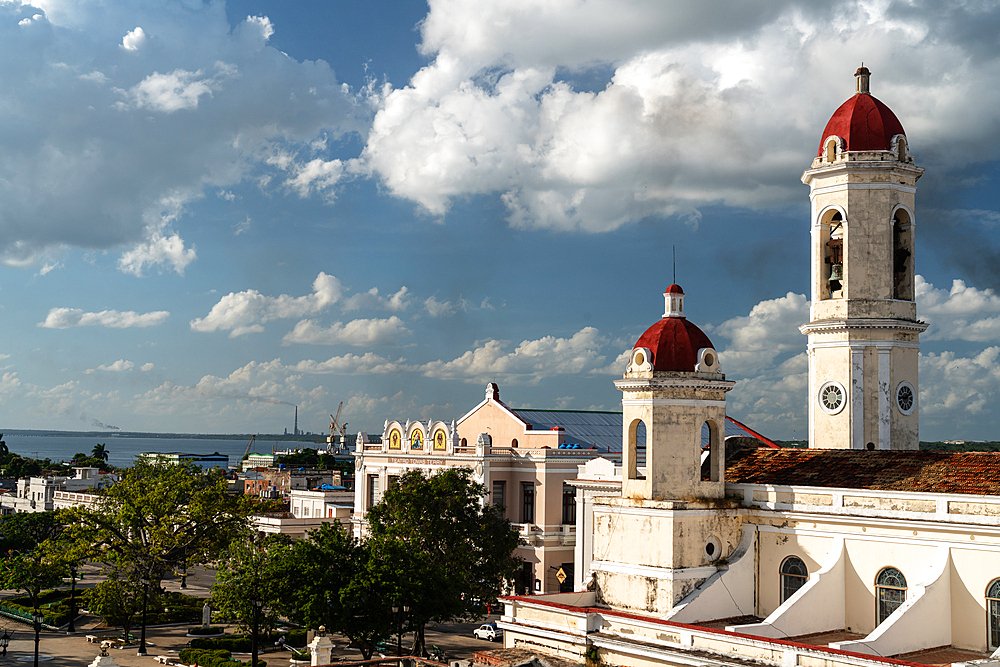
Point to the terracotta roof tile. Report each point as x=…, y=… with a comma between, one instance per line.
x=923, y=472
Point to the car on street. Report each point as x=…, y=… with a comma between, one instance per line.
x=488, y=631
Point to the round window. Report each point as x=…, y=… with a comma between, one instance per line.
x=713, y=549
x=640, y=359
x=906, y=397
x=832, y=397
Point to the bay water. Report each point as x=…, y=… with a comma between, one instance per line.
x=123, y=450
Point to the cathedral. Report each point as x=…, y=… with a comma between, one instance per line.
x=859, y=550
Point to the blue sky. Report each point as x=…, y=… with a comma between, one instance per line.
x=211, y=212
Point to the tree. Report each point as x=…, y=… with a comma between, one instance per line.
x=329, y=579
x=460, y=547
x=247, y=586
x=160, y=514
x=117, y=601
x=27, y=565
x=100, y=451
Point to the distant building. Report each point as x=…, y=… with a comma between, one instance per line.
x=205, y=461
x=41, y=494
x=309, y=509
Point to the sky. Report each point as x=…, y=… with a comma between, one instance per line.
x=211, y=212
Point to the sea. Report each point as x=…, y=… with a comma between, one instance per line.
x=122, y=450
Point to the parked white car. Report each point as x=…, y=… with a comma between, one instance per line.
x=488, y=631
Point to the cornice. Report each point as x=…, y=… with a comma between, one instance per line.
x=658, y=384
x=862, y=323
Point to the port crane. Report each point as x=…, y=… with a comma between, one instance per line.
x=336, y=427
x=249, y=445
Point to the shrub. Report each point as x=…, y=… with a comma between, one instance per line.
x=212, y=658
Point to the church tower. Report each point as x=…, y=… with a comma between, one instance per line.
x=673, y=390
x=863, y=329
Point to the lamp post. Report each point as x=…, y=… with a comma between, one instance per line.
x=145, y=599
x=4, y=642
x=399, y=626
x=257, y=605
x=36, y=620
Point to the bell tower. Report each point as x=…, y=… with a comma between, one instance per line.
x=863, y=329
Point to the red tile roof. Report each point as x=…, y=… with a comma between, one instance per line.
x=923, y=472
x=864, y=123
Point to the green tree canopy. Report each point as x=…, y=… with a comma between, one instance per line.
x=249, y=571
x=27, y=563
x=461, y=549
x=160, y=515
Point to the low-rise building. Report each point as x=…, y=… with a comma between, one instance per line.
x=38, y=494
x=309, y=509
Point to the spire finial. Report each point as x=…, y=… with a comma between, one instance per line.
x=863, y=78
x=675, y=264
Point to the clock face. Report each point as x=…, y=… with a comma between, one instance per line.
x=832, y=397
x=906, y=397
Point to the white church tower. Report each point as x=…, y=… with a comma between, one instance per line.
x=863, y=329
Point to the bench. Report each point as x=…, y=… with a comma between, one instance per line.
x=93, y=639
x=163, y=659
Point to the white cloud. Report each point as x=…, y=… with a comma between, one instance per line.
x=531, y=361
x=156, y=250
x=147, y=367
x=105, y=134
x=397, y=302
x=134, y=40
x=244, y=312
x=757, y=339
x=961, y=313
x=682, y=111
x=953, y=388
x=65, y=318
x=119, y=366
x=437, y=308
x=9, y=383
x=355, y=332
x=316, y=175
x=352, y=364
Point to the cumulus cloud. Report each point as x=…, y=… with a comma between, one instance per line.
x=757, y=339
x=588, y=116
x=961, y=313
x=134, y=40
x=245, y=312
x=953, y=387
x=156, y=250
x=530, y=362
x=117, y=367
x=436, y=308
x=355, y=332
x=66, y=318
x=372, y=299
x=105, y=134
x=352, y=364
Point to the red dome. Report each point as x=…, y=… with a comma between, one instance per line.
x=864, y=123
x=674, y=343
x=674, y=289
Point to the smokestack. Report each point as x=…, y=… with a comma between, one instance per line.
x=296, y=420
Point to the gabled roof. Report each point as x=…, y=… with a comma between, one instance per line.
x=919, y=471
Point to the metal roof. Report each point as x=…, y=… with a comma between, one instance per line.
x=586, y=428
x=603, y=430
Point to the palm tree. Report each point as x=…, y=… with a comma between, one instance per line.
x=100, y=452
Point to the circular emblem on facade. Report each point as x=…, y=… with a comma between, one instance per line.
x=906, y=397
x=832, y=397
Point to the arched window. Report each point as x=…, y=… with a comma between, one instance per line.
x=636, y=455
x=513, y=443
x=793, y=575
x=834, y=256
x=902, y=254
x=890, y=593
x=831, y=150
x=417, y=440
x=710, y=448
x=463, y=443
x=993, y=614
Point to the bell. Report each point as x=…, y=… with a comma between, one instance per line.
x=836, y=272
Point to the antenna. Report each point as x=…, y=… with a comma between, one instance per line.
x=675, y=264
